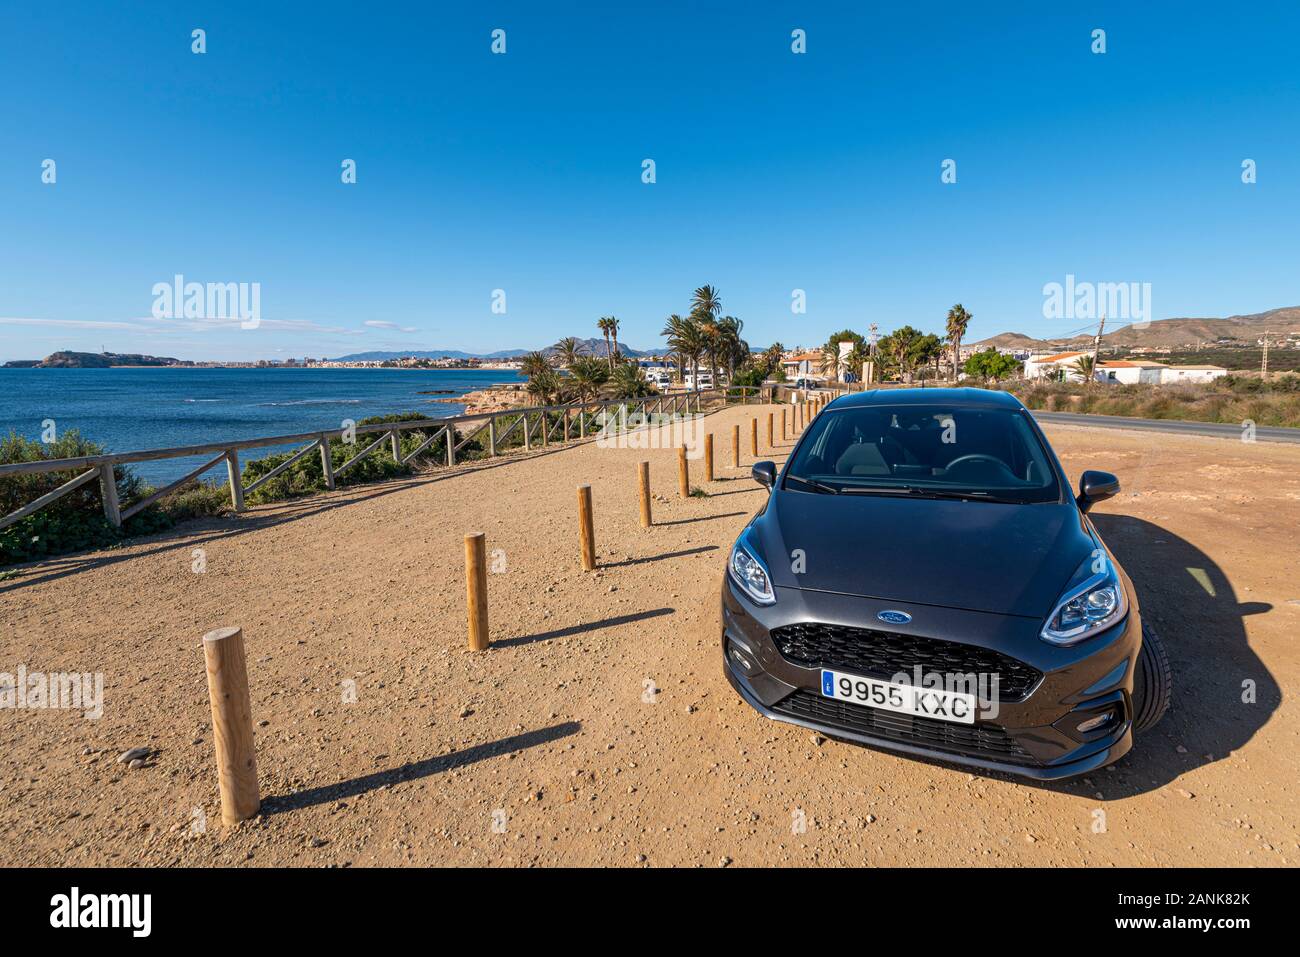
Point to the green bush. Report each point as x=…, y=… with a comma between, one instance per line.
x=76, y=521
x=306, y=476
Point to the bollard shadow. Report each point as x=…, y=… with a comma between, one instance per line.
x=279, y=803
x=702, y=518
x=659, y=558
x=581, y=628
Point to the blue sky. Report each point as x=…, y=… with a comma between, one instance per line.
x=522, y=171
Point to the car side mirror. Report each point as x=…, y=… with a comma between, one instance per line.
x=1094, y=487
x=764, y=473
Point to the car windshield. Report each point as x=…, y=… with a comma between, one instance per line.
x=980, y=453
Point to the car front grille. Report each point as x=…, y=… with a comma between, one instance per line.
x=989, y=741
x=883, y=654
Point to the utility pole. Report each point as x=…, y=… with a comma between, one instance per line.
x=1263, y=366
x=1096, y=347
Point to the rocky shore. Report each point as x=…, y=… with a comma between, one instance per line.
x=497, y=398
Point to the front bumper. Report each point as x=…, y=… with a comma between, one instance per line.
x=1034, y=737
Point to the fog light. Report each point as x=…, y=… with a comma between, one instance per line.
x=1095, y=722
x=741, y=659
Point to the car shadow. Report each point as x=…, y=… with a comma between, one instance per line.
x=1191, y=604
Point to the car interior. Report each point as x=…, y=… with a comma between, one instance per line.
x=984, y=448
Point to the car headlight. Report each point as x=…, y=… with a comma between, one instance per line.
x=1087, y=608
x=750, y=574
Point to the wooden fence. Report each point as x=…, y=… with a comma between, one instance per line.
x=538, y=426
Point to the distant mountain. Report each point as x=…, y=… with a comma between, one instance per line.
x=1239, y=330
x=595, y=347
x=94, y=360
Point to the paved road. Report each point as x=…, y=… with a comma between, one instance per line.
x=1226, y=430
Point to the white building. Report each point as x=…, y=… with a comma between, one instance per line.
x=1045, y=367
x=1134, y=371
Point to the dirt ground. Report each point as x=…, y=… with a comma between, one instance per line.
x=599, y=730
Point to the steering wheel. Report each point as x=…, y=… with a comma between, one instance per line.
x=976, y=457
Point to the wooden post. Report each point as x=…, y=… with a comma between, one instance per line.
x=586, y=533
x=236, y=489
x=476, y=599
x=753, y=437
x=546, y=430
x=108, y=493
x=492, y=436
x=232, y=724
x=735, y=446
x=528, y=439
x=643, y=471
x=395, y=440
x=770, y=443
x=683, y=473
x=708, y=456
x=451, y=445
x=326, y=463
x=784, y=433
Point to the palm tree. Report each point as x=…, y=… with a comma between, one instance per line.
x=710, y=338
x=544, y=386
x=958, y=320
x=606, y=325
x=857, y=357
x=706, y=300
x=686, y=339
x=613, y=331
x=629, y=382
x=533, y=364
x=588, y=374
x=735, y=350
x=830, y=360
x=900, y=345
x=567, y=351
x=1083, y=366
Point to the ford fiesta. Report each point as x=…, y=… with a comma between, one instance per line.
x=922, y=580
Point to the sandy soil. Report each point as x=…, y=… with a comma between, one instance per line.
x=599, y=728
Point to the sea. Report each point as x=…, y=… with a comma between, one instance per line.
x=132, y=409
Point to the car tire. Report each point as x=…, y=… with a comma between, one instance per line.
x=1153, y=683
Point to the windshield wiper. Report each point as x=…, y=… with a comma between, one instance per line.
x=929, y=493
x=813, y=483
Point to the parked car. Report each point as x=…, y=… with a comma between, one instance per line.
x=803, y=382
x=920, y=579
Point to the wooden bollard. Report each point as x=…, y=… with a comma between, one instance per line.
x=683, y=473
x=784, y=434
x=476, y=602
x=232, y=724
x=643, y=472
x=586, y=533
x=708, y=456
x=770, y=443
x=753, y=437
x=735, y=446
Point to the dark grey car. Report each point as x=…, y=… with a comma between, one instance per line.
x=921, y=579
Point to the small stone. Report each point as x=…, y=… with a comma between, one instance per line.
x=135, y=753
x=136, y=764
x=1180, y=749
x=817, y=739
x=724, y=861
x=466, y=712
x=263, y=723
x=1030, y=839
x=871, y=819
x=1186, y=794
x=640, y=858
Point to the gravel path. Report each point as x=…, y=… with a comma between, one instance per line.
x=599, y=728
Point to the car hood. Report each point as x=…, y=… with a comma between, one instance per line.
x=980, y=556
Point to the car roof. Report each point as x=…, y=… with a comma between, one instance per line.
x=987, y=398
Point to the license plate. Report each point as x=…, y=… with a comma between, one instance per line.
x=904, y=699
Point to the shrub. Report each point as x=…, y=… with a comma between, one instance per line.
x=76, y=521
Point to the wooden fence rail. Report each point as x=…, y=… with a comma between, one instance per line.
x=532, y=422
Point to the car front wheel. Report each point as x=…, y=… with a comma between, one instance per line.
x=1153, y=683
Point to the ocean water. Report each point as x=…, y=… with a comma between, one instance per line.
x=132, y=409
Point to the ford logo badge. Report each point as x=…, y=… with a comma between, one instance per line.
x=895, y=617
